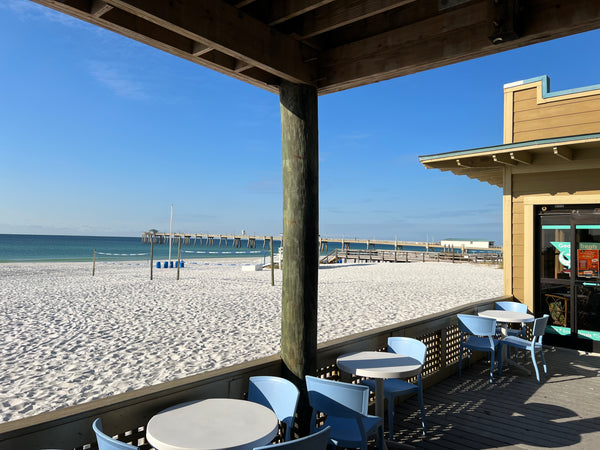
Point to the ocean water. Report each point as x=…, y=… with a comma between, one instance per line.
x=26, y=247
x=31, y=247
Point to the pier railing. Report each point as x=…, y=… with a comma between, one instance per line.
x=128, y=413
x=356, y=256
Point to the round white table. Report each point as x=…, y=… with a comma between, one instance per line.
x=214, y=423
x=504, y=318
x=379, y=365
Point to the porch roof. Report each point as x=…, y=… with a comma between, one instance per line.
x=333, y=44
x=488, y=163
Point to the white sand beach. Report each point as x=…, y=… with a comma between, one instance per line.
x=68, y=337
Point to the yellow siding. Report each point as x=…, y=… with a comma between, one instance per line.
x=517, y=247
x=553, y=183
x=536, y=118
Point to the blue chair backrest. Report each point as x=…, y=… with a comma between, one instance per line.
x=278, y=394
x=316, y=441
x=408, y=347
x=105, y=442
x=336, y=398
x=512, y=306
x=479, y=326
x=539, y=327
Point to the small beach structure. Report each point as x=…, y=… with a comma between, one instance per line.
x=549, y=171
x=300, y=50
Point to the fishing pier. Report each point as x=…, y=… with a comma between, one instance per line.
x=357, y=250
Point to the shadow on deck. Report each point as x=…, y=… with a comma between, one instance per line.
x=563, y=411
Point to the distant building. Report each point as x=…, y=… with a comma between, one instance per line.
x=467, y=243
x=549, y=170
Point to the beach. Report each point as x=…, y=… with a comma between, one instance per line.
x=69, y=337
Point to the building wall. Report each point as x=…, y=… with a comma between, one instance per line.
x=532, y=112
x=533, y=189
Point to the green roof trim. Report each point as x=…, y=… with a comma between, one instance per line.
x=504, y=147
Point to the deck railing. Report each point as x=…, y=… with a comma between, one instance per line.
x=129, y=412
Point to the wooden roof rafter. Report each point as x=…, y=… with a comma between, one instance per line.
x=333, y=44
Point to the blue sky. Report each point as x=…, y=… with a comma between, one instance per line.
x=99, y=135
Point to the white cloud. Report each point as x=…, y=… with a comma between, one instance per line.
x=28, y=10
x=121, y=83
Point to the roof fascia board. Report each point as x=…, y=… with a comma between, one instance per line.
x=505, y=148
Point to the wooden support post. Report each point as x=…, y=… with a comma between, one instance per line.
x=272, y=263
x=179, y=258
x=300, y=152
x=151, y=257
x=94, y=264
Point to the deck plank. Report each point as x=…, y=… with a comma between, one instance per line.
x=514, y=412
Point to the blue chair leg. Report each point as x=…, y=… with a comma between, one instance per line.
x=492, y=362
x=422, y=406
x=544, y=362
x=534, y=362
x=380, y=442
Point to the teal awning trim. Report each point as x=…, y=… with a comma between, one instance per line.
x=505, y=147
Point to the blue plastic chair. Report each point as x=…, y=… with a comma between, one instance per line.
x=539, y=328
x=278, y=394
x=346, y=407
x=513, y=306
x=315, y=441
x=478, y=333
x=105, y=442
x=393, y=387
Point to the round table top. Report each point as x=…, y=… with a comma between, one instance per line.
x=379, y=365
x=214, y=423
x=506, y=316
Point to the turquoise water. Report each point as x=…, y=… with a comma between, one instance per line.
x=31, y=247
x=25, y=247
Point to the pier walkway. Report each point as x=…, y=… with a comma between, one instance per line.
x=396, y=256
x=239, y=240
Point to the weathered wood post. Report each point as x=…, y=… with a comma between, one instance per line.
x=272, y=263
x=179, y=258
x=299, y=138
x=151, y=256
x=94, y=264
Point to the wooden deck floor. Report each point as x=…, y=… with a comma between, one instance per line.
x=513, y=412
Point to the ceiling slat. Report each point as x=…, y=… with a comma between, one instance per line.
x=343, y=12
x=211, y=22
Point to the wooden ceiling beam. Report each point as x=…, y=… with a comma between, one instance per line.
x=199, y=49
x=210, y=22
x=449, y=37
x=503, y=158
x=563, y=152
x=99, y=8
x=341, y=13
x=522, y=157
x=287, y=10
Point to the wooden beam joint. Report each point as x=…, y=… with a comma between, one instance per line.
x=522, y=157
x=563, y=152
x=503, y=158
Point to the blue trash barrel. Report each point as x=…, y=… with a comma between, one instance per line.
x=171, y=264
x=181, y=263
x=165, y=265
x=158, y=264
x=176, y=264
